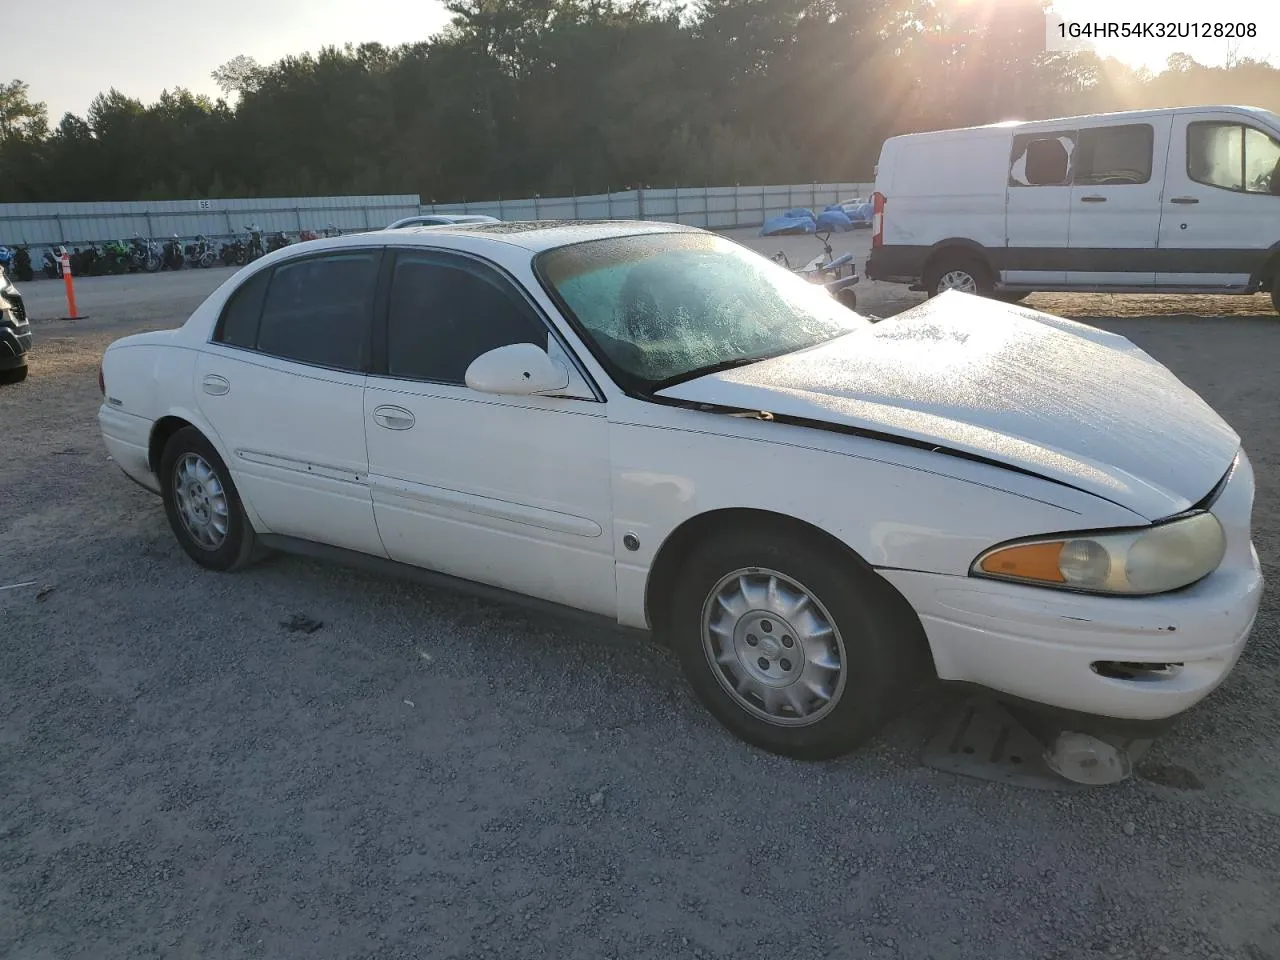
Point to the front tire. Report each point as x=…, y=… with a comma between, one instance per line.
x=792, y=645
x=964, y=272
x=201, y=502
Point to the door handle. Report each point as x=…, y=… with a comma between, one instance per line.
x=1093, y=199
x=215, y=385
x=393, y=418
x=1184, y=200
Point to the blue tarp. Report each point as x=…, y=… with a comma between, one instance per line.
x=785, y=224
x=834, y=220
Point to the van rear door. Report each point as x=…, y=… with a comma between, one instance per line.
x=1221, y=211
x=1117, y=179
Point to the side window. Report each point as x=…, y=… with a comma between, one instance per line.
x=319, y=310
x=445, y=311
x=1114, y=155
x=1041, y=159
x=1232, y=156
x=238, y=325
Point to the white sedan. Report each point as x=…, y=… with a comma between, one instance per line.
x=651, y=423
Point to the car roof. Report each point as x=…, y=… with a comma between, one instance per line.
x=534, y=235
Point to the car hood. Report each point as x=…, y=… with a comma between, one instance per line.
x=1049, y=396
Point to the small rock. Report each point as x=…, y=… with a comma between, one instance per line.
x=597, y=798
x=929, y=868
x=408, y=703
x=1129, y=828
x=44, y=591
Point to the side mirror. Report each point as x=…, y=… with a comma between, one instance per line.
x=522, y=369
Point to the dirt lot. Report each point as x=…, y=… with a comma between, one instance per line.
x=429, y=776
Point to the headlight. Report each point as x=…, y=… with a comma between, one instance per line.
x=1133, y=562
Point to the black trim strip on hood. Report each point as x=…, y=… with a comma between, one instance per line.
x=870, y=434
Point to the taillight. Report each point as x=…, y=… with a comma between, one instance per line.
x=102, y=384
x=877, y=219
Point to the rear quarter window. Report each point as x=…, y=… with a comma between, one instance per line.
x=238, y=324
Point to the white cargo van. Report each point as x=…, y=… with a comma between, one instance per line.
x=1151, y=201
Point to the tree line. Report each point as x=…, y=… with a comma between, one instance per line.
x=552, y=97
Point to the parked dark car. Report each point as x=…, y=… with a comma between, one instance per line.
x=15, y=333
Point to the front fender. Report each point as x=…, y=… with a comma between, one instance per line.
x=896, y=507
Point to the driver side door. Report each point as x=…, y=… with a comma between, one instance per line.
x=510, y=491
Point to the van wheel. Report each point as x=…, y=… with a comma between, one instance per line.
x=958, y=271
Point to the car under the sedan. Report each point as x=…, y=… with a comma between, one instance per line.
x=650, y=423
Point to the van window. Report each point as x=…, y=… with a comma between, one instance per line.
x=1114, y=155
x=1041, y=159
x=1232, y=156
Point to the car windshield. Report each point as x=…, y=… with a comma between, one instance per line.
x=662, y=308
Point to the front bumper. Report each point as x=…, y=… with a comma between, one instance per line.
x=15, y=334
x=1055, y=648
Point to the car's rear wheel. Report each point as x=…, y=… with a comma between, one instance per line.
x=959, y=271
x=790, y=644
x=202, y=504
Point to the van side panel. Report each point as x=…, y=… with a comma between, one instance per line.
x=939, y=187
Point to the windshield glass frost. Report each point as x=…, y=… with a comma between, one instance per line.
x=663, y=306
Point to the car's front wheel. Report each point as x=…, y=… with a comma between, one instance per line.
x=202, y=504
x=790, y=644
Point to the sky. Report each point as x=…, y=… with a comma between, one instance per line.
x=78, y=48
x=74, y=49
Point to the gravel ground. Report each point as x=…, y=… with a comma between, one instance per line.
x=429, y=776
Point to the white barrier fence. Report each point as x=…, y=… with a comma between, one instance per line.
x=713, y=207
x=44, y=224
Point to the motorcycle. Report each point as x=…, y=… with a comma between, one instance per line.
x=253, y=249
x=53, y=261
x=87, y=262
x=115, y=257
x=22, y=265
x=143, y=255
x=6, y=259
x=837, y=274
x=233, y=254
x=173, y=258
x=277, y=241
x=200, y=253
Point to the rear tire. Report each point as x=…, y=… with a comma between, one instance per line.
x=958, y=271
x=793, y=646
x=203, y=507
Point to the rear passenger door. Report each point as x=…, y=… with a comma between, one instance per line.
x=1117, y=179
x=282, y=383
